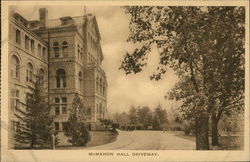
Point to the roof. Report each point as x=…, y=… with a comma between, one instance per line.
x=78, y=21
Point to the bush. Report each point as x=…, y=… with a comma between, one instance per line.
x=177, y=128
x=187, y=130
x=138, y=127
x=80, y=136
x=188, y=127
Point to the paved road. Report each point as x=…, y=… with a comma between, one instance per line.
x=147, y=140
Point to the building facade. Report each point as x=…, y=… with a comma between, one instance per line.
x=67, y=54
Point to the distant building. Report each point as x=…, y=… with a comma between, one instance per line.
x=67, y=54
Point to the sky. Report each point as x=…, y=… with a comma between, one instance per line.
x=123, y=90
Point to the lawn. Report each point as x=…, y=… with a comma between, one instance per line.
x=225, y=142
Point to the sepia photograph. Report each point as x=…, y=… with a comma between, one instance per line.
x=126, y=77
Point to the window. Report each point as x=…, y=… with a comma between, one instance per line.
x=89, y=111
x=64, y=99
x=57, y=106
x=39, y=50
x=100, y=86
x=32, y=45
x=15, y=67
x=41, y=75
x=56, y=126
x=60, y=78
x=16, y=104
x=97, y=84
x=81, y=53
x=65, y=48
x=29, y=73
x=60, y=105
x=64, y=105
x=18, y=36
x=78, y=52
x=56, y=49
x=44, y=53
x=57, y=110
x=64, y=125
x=103, y=92
x=80, y=80
x=64, y=110
x=14, y=100
x=57, y=100
x=27, y=40
x=89, y=57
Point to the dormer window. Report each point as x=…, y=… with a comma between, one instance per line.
x=33, y=24
x=66, y=20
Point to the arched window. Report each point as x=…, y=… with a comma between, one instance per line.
x=29, y=72
x=65, y=48
x=80, y=80
x=15, y=67
x=41, y=75
x=60, y=78
x=56, y=49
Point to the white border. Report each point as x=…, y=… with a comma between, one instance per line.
x=82, y=155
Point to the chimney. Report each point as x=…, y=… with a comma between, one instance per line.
x=43, y=17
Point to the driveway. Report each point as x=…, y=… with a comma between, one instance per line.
x=146, y=140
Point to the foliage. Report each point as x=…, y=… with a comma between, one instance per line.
x=76, y=128
x=189, y=128
x=156, y=122
x=232, y=123
x=106, y=122
x=122, y=118
x=142, y=118
x=35, y=126
x=133, y=115
x=145, y=116
x=204, y=45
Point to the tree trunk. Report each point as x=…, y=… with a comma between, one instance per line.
x=201, y=131
x=215, y=140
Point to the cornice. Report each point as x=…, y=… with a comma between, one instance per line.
x=56, y=29
x=12, y=20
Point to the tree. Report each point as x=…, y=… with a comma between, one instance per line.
x=161, y=113
x=144, y=116
x=122, y=119
x=188, y=45
x=76, y=128
x=156, y=122
x=224, y=77
x=35, y=126
x=133, y=115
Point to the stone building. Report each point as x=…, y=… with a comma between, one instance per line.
x=67, y=53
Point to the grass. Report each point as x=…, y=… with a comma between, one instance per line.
x=225, y=142
x=97, y=138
